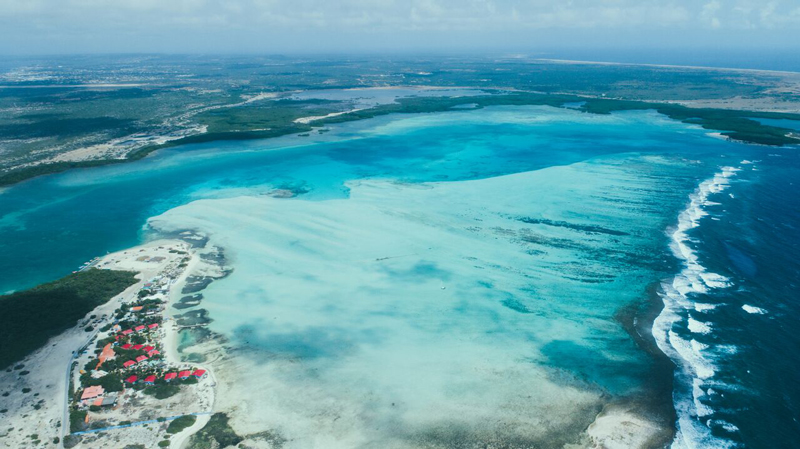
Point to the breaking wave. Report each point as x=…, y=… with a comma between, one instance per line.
x=695, y=360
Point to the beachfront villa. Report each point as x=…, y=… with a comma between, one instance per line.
x=91, y=393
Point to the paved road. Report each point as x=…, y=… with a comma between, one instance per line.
x=67, y=392
x=139, y=423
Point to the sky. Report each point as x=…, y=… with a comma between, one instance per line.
x=346, y=26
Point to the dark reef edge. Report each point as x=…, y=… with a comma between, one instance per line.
x=655, y=402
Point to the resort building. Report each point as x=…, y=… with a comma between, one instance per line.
x=91, y=393
x=106, y=354
x=107, y=401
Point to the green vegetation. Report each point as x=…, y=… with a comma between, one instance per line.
x=71, y=441
x=178, y=424
x=21, y=174
x=162, y=391
x=110, y=382
x=163, y=443
x=734, y=124
x=77, y=420
x=32, y=316
x=216, y=433
x=42, y=122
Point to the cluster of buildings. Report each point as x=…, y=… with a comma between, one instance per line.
x=168, y=377
x=96, y=396
x=129, y=351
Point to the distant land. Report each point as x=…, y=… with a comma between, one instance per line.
x=177, y=100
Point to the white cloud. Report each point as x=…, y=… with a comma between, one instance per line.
x=56, y=20
x=709, y=13
x=402, y=14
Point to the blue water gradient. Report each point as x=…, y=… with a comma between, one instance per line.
x=589, y=236
x=53, y=224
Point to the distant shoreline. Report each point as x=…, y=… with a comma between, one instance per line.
x=732, y=123
x=668, y=66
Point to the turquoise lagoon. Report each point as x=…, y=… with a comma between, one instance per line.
x=439, y=279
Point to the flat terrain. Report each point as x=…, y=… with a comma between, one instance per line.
x=68, y=112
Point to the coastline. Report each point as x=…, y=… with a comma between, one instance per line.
x=173, y=357
x=44, y=380
x=655, y=403
x=670, y=66
x=733, y=125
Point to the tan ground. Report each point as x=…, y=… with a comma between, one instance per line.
x=48, y=367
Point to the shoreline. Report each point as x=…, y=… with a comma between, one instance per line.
x=16, y=175
x=51, y=373
x=669, y=66
x=650, y=414
x=173, y=357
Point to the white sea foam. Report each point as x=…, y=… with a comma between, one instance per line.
x=694, y=358
x=699, y=327
x=752, y=309
x=703, y=307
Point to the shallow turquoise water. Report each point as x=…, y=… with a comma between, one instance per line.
x=51, y=225
x=513, y=237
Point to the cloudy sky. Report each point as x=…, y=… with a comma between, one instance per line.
x=81, y=26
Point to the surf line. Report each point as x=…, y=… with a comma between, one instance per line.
x=694, y=360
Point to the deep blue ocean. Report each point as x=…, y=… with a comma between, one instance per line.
x=736, y=383
x=754, y=241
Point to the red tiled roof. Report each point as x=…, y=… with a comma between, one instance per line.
x=126, y=346
x=139, y=328
x=138, y=347
x=127, y=332
x=107, y=353
x=170, y=376
x=150, y=379
x=141, y=358
x=153, y=326
x=199, y=372
x=148, y=348
x=131, y=379
x=184, y=374
x=153, y=352
x=92, y=392
x=129, y=364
